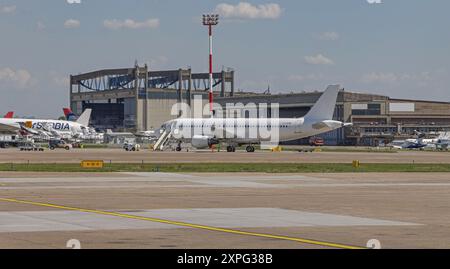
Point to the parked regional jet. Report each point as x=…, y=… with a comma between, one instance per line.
x=55, y=128
x=110, y=133
x=318, y=120
x=442, y=141
x=150, y=134
x=408, y=144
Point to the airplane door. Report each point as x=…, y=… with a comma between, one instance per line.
x=299, y=127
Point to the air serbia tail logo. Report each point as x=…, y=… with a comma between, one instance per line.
x=70, y=116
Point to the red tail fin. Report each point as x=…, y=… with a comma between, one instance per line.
x=69, y=114
x=67, y=111
x=9, y=115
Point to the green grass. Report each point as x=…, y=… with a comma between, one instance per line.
x=335, y=149
x=231, y=167
x=95, y=146
x=351, y=149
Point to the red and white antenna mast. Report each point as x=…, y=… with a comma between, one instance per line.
x=210, y=20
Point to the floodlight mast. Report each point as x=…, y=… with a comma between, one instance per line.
x=210, y=20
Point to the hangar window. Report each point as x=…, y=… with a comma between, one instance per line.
x=372, y=109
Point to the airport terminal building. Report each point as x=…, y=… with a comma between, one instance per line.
x=137, y=99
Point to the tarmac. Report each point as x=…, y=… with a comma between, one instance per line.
x=224, y=210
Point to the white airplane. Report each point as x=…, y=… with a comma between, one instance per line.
x=442, y=138
x=441, y=141
x=408, y=144
x=151, y=134
x=47, y=128
x=110, y=133
x=205, y=132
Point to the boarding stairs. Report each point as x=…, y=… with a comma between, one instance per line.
x=162, y=140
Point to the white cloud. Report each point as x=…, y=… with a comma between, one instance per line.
x=319, y=59
x=374, y=1
x=72, y=23
x=245, y=10
x=19, y=78
x=7, y=9
x=130, y=24
x=328, y=36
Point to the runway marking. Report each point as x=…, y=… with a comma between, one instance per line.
x=189, y=225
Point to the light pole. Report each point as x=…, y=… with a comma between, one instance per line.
x=210, y=20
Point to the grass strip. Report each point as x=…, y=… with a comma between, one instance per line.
x=228, y=167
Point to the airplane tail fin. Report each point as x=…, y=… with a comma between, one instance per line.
x=323, y=109
x=85, y=117
x=9, y=115
x=69, y=114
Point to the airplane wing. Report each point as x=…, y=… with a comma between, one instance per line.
x=50, y=131
x=4, y=128
x=23, y=126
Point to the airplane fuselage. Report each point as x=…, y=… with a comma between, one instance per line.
x=205, y=132
x=60, y=126
x=250, y=130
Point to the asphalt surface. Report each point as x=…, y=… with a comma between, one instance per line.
x=225, y=210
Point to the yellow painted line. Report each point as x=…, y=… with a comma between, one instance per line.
x=184, y=224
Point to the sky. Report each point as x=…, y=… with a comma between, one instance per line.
x=399, y=48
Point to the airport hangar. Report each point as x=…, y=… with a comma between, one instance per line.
x=139, y=99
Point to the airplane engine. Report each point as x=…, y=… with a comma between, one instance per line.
x=201, y=141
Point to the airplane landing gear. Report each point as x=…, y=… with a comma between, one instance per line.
x=231, y=149
x=178, y=148
x=250, y=149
